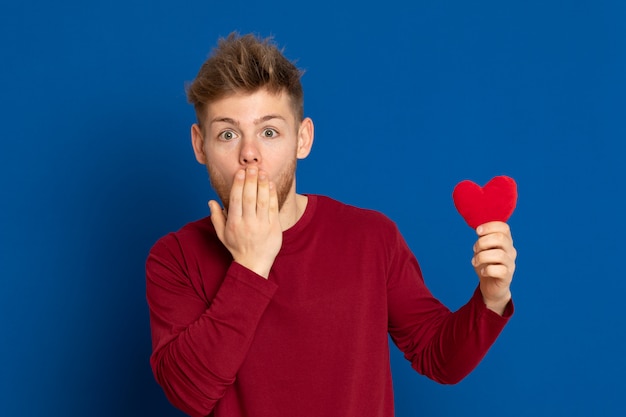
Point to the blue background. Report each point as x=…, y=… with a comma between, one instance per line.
x=409, y=98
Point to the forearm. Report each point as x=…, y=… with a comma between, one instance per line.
x=195, y=363
x=461, y=341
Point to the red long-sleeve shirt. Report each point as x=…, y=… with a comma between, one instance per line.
x=312, y=339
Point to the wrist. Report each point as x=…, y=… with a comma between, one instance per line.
x=260, y=268
x=498, y=305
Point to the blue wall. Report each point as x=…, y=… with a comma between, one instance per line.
x=409, y=97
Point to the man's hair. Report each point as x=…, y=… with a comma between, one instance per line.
x=245, y=64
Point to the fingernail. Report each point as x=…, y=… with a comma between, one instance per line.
x=241, y=175
x=479, y=229
x=252, y=171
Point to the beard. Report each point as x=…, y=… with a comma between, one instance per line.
x=284, y=182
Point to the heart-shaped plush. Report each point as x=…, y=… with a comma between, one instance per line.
x=493, y=202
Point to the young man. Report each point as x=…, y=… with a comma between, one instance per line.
x=280, y=304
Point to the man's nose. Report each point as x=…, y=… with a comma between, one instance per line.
x=249, y=153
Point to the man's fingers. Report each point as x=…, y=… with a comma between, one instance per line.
x=236, y=195
x=249, y=196
x=493, y=241
x=495, y=235
x=263, y=196
x=496, y=271
x=253, y=196
x=273, y=202
x=491, y=256
x=493, y=227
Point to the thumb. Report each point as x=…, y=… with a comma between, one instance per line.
x=217, y=218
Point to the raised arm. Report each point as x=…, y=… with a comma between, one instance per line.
x=199, y=346
x=443, y=345
x=202, y=328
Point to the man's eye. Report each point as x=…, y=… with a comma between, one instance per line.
x=227, y=135
x=270, y=133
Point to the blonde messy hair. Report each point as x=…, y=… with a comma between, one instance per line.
x=245, y=64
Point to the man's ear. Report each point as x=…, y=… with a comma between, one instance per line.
x=197, y=141
x=306, y=133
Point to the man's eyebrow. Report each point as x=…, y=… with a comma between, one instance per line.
x=224, y=120
x=268, y=117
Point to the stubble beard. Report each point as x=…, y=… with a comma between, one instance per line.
x=283, y=182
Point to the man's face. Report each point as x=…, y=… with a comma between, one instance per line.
x=257, y=129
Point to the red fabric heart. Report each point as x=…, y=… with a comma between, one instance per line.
x=493, y=202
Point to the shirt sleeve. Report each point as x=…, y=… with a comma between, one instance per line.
x=199, y=346
x=442, y=345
